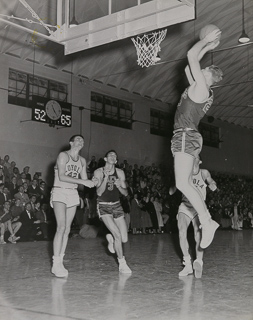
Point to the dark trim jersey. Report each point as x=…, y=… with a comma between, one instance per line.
x=189, y=113
x=111, y=193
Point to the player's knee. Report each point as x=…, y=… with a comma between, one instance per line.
x=61, y=229
x=67, y=231
x=117, y=236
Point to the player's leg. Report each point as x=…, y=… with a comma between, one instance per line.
x=60, y=216
x=121, y=224
x=113, y=228
x=70, y=214
x=183, y=164
x=183, y=224
x=198, y=263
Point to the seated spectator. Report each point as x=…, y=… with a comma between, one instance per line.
x=13, y=187
x=29, y=227
x=25, y=186
x=23, y=197
x=12, y=166
x=16, y=210
x=42, y=218
x=2, y=175
x=33, y=202
x=6, y=161
x=6, y=167
x=27, y=174
x=44, y=193
x=6, y=224
x=22, y=179
x=143, y=183
x=34, y=189
x=16, y=173
x=36, y=176
x=7, y=194
x=2, y=197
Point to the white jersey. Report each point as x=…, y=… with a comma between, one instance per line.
x=73, y=169
x=185, y=206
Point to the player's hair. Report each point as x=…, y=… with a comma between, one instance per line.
x=216, y=73
x=110, y=152
x=74, y=136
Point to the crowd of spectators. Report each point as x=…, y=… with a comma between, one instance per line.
x=150, y=209
x=24, y=205
x=232, y=204
x=26, y=215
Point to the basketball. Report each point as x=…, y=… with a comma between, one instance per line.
x=206, y=30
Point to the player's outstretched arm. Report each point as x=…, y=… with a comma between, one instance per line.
x=199, y=91
x=61, y=165
x=85, y=181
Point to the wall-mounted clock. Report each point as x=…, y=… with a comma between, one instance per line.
x=51, y=111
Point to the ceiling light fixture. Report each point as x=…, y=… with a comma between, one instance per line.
x=73, y=22
x=244, y=37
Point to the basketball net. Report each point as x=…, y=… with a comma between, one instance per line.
x=148, y=46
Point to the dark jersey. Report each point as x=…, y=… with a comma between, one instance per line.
x=111, y=193
x=189, y=113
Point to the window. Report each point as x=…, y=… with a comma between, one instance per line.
x=23, y=86
x=111, y=111
x=210, y=134
x=161, y=123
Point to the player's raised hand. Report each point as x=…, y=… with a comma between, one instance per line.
x=213, y=36
x=212, y=45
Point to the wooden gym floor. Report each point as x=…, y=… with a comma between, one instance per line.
x=94, y=290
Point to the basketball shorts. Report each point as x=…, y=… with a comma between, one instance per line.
x=70, y=197
x=107, y=208
x=188, y=211
x=189, y=142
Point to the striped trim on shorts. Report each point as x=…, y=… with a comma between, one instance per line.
x=110, y=208
x=186, y=141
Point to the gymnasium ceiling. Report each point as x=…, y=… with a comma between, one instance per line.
x=115, y=65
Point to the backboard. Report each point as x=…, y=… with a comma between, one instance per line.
x=141, y=17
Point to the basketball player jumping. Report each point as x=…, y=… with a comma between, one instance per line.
x=110, y=183
x=187, y=142
x=187, y=214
